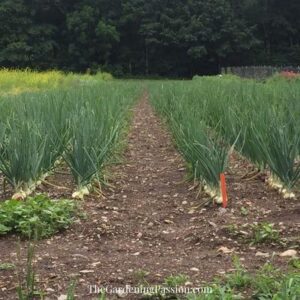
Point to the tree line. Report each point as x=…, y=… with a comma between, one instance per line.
x=177, y=38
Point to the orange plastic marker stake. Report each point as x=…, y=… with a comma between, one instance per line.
x=223, y=189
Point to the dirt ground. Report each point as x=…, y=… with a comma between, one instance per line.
x=151, y=222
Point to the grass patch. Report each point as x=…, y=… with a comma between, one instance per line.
x=269, y=283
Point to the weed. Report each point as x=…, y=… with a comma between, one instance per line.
x=244, y=211
x=176, y=280
x=71, y=291
x=26, y=289
x=38, y=215
x=295, y=263
x=264, y=232
x=239, y=278
x=102, y=296
x=140, y=276
x=289, y=288
x=6, y=266
x=266, y=282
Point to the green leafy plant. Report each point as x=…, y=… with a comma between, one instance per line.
x=38, y=215
x=261, y=121
x=267, y=282
x=91, y=145
x=102, y=296
x=264, y=232
x=6, y=266
x=289, y=288
x=295, y=263
x=199, y=143
x=240, y=278
x=176, y=280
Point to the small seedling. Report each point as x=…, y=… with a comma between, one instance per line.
x=71, y=291
x=102, y=296
x=264, y=232
x=140, y=276
x=244, y=211
x=26, y=289
x=233, y=229
x=6, y=266
x=289, y=288
x=295, y=263
x=266, y=282
x=177, y=280
x=240, y=278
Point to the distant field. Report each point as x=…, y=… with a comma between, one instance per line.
x=17, y=81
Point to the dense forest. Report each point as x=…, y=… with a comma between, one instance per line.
x=148, y=37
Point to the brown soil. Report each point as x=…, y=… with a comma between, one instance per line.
x=152, y=221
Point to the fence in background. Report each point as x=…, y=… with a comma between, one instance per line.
x=258, y=72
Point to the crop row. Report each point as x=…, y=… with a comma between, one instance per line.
x=211, y=116
x=78, y=126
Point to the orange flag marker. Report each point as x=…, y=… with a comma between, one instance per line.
x=223, y=189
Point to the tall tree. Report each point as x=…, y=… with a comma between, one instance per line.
x=151, y=37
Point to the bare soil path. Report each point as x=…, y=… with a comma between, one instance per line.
x=149, y=223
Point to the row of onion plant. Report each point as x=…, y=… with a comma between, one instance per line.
x=78, y=126
x=262, y=120
x=204, y=150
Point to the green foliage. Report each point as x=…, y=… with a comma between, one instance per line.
x=14, y=82
x=295, y=263
x=6, y=266
x=71, y=291
x=244, y=211
x=176, y=280
x=268, y=284
x=289, y=288
x=38, y=216
x=260, y=120
x=26, y=290
x=266, y=281
x=240, y=278
x=91, y=144
x=202, y=147
x=173, y=38
x=264, y=232
x=81, y=126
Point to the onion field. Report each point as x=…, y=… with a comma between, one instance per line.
x=76, y=126
x=142, y=183
x=211, y=117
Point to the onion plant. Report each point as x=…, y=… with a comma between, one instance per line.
x=205, y=154
x=22, y=155
x=202, y=147
x=92, y=138
x=261, y=120
x=80, y=124
x=96, y=123
x=279, y=144
x=35, y=138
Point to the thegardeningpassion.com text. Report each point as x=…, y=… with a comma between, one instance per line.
x=148, y=290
